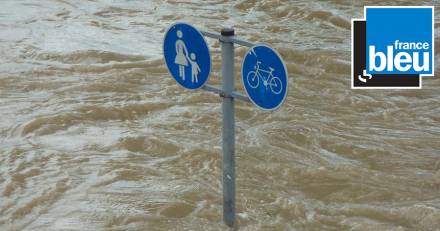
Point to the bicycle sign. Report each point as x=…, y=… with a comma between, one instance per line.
x=264, y=76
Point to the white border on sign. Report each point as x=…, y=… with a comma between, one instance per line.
x=285, y=69
x=209, y=54
x=352, y=47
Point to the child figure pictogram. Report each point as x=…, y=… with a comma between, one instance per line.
x=195, y=69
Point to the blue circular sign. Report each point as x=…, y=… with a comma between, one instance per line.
x=187, y=55
x=264, y=76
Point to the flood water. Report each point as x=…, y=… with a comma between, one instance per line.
x=96, y=135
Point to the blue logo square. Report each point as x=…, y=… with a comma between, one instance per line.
x=399, y=40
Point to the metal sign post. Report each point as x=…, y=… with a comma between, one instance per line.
x=228, y=129
x=181, y=52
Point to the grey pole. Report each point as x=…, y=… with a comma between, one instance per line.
x=228, y=128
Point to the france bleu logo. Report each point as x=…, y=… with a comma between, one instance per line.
x=393, y=47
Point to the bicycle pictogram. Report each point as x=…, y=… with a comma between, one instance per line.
x=266, y=76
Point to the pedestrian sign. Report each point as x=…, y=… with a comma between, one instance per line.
x=187, y=55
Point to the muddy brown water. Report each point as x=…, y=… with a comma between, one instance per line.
x=95, y=134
